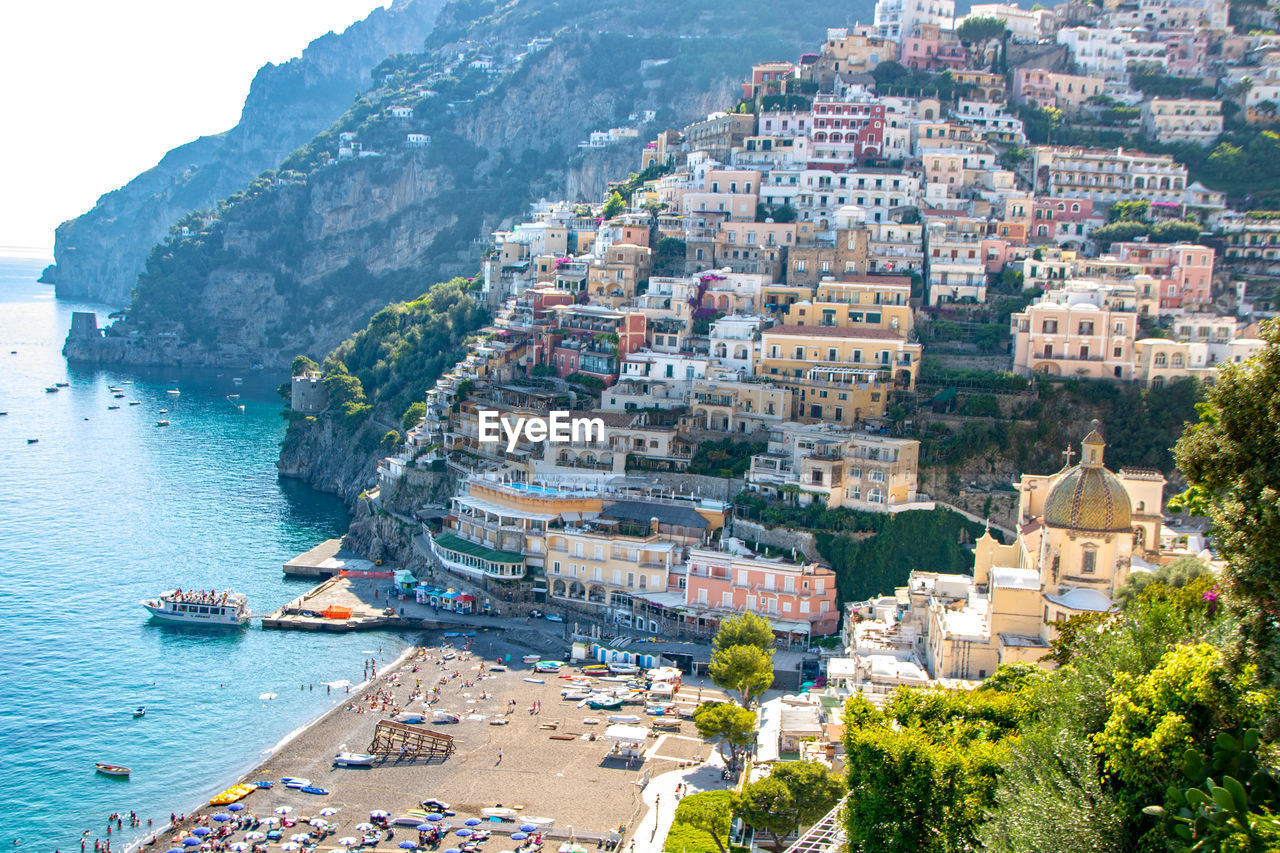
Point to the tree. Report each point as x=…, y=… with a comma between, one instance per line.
x=733, y=725
x=978, y=30
x=1175, y=231
x=302, y=365
x=412, y=415
x=746, y=670
x=1135, y=211
x=745, y=629
x=769, y=806
x=615, y=205
x=710, y=812
x=814, y=790
x=1231, y=458
x=1176, y=574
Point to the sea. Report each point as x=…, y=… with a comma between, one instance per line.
x=105, y=509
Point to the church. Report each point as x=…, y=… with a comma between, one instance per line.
x=1078, y=531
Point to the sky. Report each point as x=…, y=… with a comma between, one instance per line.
x=96, y=91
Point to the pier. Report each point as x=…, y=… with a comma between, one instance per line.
x=326, y=560
x=343, y=604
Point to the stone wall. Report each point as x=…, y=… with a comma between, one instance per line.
x=778, y=537
x=716, y=488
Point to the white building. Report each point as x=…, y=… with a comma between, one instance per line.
x=899, y=19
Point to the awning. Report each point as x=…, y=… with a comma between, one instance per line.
x=455, y=543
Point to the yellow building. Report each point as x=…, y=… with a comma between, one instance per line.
x=860, y=304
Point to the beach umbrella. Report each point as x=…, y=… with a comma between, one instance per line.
x=351, y=842
x=519, y=836
x=435, y=816
x=221, y=816
x=238, y=847
x=201, y=831
x=364, y=827
x=453, y=850
x=406, y=845
x=425, y=827
x=318, y=821
x=236, y=807
x=283, y=809
x=473, y=821
x=300, y=836
x=190, y=841
x=290, y=846
x=254, y=836
x=175, y=850
x=379, y=813
x=328, y=811
x=463, y=833
x=528, y=827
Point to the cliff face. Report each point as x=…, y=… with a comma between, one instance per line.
x=99, y=254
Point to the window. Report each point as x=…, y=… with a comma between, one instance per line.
x=555, y=567
x=1089, y=562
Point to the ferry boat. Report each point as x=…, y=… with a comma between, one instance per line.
x=228, y=608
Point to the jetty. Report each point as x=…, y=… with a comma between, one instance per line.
x=351, y=603
x=326, y=560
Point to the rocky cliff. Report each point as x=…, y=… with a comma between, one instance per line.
x=98, y=255
x=305, y=255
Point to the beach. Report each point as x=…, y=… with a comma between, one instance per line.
x=517, y=745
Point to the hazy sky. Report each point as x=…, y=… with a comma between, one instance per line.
x=95, y=91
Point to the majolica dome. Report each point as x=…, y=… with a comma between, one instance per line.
x=1088, y=496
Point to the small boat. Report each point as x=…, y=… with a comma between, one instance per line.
x=595, y=669
x=113, y=389
x=409, y=718
x=36, y=440
x=623, y=718
x=553, y=617
x=237, y=380
x=499, y=812
x=619, y=668
x=548, y=666
x=233, y=396
x=444, y=717
x=605, y=703
x=265, y=784
x=575, y=695
x=162, y=423
x=312, y=789
x=109, y=408
x=52, y=389
x=591, y=721
x=140, y=711
x=61, y=384
x=164, y=411
x=498, y=667
x=2, y=414
x=118, y=396
x=174, y=391
x=500, y=721
x=531, y=658
x=295, y=782
x=135, y=403
x=354, y=759
x=111, y=769
x=449, y=656
x=232, y=794
x=536, y=680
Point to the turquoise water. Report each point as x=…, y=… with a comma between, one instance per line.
x=108, y=509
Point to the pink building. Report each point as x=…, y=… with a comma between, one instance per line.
x=1186, y=270
x=933, y=53
x=796, y=599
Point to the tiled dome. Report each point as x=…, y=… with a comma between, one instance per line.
x=1089, y=498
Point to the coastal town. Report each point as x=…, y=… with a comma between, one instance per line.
x=772, y=281
x=637, y=531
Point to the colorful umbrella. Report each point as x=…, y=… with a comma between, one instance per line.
x=221, y=816
x=473, y=821
x=236, y=807
x=201, y=831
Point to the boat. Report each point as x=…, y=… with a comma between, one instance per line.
x=605, y=703
x=575, y=695
x=553, y=617
x=595, y=669
x=295, y=782
x=118, y=396
x=449, y=656
x=536, y=680
x=531, y=658
x=228, y=609
x=111, y=769
x=591, y=721
x=354, y=759
x=409, y=717
x=265, y=784
x=135, y=403
x=109, y=408
x=499, y=812
x=52, y=389
x=140, y=711
x=623, y=718
x=312, y=789
x=538, y=821
x=164, y=411
x=619, y=668
x=237, y=380
x=233, y=396
x=498, y=667
x=162, y=423
x=113, y=389
x=232, y=794
x=548, y=666
x=439, y=716
x=36, y=440
x=174, y=391
x=61, y=384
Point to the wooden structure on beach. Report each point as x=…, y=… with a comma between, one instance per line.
x=400, y=740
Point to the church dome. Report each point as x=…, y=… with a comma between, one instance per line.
x=1088, y=496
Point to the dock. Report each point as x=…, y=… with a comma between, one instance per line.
x=326, y=560
x=344, y=604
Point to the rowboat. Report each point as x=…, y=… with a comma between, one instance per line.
x=140, y=711
x=312, y=789
x=295, y=782
x=354, y=759
x=111, y=769
x=499, y=812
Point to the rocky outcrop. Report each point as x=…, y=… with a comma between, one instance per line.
x=326, y=457
x=99, y=254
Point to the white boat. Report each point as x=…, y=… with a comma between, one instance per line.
x=140, y=711
x=619, y=668
x=295, y=782
x=174, y=391
x=438, y=716
x=200, y=608
x=409, y=717
x=499, y=812
x=623, y=718
x=538, y=821
x=353, y=759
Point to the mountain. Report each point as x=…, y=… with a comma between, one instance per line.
x=497, y=104
x=99, y=254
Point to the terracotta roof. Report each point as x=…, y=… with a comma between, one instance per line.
x=833, y=332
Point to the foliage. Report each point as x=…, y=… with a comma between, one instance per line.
x=745, y=670
x=709, y=813
x=586, y=380
x=724, y=457
x=416, y=412
x=614, y=206
x=1175, y=574
x=543, y=370
x=734, y=725
x=1232, y=458
x=390, y=441
x=980, y=406
x=1134, y=211
x=302, y=365
x=976, y=30
x=794, y=794
x=668, y=257
x=1119, y=232
x=744, y=629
